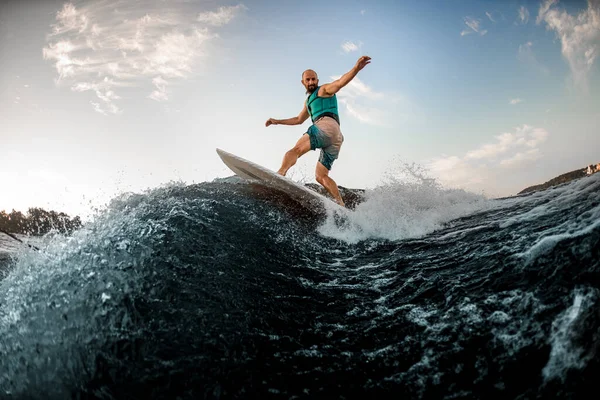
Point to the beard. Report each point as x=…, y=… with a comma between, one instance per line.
x=310, y=89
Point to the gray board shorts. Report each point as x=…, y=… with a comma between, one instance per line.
x=325, y=134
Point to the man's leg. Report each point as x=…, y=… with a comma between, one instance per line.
x=290, y=158
x=323, y=178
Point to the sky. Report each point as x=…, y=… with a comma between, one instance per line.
x=104, y=97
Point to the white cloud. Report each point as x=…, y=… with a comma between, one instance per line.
x=160, y=94
x=104, y=109
x=489, y=15
x=70, y=20
x=454, y=171
x=526, y=55
x=472, y=23
x=544, y=7
x=66, y=65
x=363, y=103
x=515, y=101
x=524, y=136
x=508, y=150
x=525, y=47
x=474, y=26
x=222, y=16
x=523, y=17
x=520, y=158
x=104, y=92
x=362, y=12
x=367, y=115
x=103, y=46
x=357, y=88
x=349, y=46
x=579, y=36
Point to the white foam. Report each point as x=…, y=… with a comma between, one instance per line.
x=553, y=199
x=546, y=243
x=565, y=353
x=562, y=198
x=399, y=210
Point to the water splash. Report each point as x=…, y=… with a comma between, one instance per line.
x=407, y=205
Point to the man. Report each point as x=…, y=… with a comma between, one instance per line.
x=324, y=133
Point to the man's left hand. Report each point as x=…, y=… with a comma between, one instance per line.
x=362, y=62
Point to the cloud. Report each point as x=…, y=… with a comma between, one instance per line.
x=105, y=47
x=350, y=46
x=508, y=150
x=523, y=17
x=526, y=55
x=70, y=20
x=489, y=15
x=367, y=115
x=472, y=23
x=357, y=97
x=525, y=47
x=503, y=143
x=222, y=16
x=515, y=101
x=454, y=171
x=160, y=94
x=473, y=26
x=99, y=109
x=367, y=105
x=362, y=12
x=520, y=158
x=544, y=7
x=579, y=35
x=524, y=137
x=357, y=88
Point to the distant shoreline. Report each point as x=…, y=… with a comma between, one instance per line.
x=37, y=221
x=564, y=178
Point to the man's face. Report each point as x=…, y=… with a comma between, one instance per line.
x=310, y=81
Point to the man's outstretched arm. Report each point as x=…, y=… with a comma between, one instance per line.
x=332, y=88
x=303, y=116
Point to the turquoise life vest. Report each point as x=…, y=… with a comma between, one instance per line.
x=322, y=106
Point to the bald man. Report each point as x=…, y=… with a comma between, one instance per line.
x=324, y=133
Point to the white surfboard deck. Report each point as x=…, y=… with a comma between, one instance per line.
x=251, y=171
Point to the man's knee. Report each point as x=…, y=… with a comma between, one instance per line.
x=297, y=149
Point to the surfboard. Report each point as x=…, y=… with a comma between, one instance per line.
x=254, y=172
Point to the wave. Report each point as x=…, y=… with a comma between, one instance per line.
x=223, y=290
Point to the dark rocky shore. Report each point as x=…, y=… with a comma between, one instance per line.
x=564, y=178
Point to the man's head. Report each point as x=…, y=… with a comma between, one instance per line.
x=310, y=80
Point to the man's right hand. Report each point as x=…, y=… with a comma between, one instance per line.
x=270, y=121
